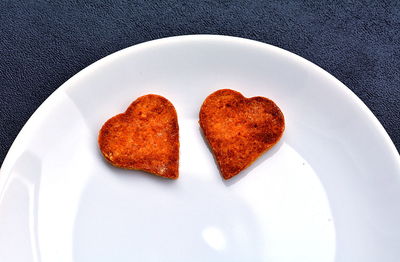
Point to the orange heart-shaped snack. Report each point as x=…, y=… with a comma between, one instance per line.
x=145, y=137
x=239, y=129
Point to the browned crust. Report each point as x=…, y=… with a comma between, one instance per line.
x=239, y=129
x=145, y=137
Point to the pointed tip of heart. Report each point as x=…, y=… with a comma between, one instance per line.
x=170, y=173
x=167, y=172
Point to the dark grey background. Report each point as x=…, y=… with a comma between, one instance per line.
x=44, y=43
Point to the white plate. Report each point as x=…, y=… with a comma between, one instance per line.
x=329, y=191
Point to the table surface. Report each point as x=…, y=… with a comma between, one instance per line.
x=44, y=43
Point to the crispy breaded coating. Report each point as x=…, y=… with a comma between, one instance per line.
x=145, y=137
x=239, y=129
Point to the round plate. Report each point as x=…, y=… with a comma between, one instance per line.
x=329, y=191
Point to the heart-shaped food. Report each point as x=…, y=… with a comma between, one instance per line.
x=239, y=129
x=145, y=137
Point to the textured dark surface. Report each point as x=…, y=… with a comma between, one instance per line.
x=43, y=43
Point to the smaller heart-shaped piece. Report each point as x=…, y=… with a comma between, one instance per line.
x=239, y=129
x=145, y=137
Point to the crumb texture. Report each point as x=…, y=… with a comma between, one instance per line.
x=239, y=129
x=145, y=137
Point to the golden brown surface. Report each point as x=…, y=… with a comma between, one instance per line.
x=239, y=129
x=145, y=137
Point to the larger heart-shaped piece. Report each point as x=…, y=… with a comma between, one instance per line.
x=239, y=129
x=145, y=137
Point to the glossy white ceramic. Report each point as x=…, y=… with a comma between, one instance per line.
x=329, y=191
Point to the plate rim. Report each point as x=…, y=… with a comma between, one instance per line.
x=347, y=92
